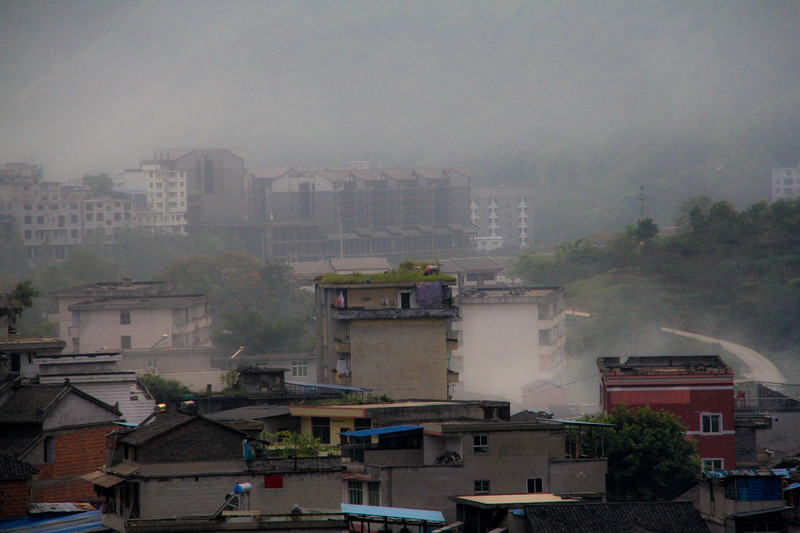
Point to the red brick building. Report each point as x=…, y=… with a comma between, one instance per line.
x=697, y=388
x=60, y=431
x=15, y=486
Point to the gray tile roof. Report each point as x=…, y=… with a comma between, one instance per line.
x=30, y=404
x=12, y=469
x=153, y=426
x=658, y=517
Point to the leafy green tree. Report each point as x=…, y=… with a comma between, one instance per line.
x=98, y=184
x=681, y=216
x=163, y=389
x=648, y=445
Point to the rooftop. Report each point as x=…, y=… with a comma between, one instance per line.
x=663, y=364
x=30, y=404
x=621, y=517
x=137, y=302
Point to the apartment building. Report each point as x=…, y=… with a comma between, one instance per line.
x=503, y=216
x=166, y=193
x=508, y=338
x=319, y=213
x=785, y=183
x=216, y=186
x=697, y=388
x=388, y=336
x=130, y=316
x=390, y=465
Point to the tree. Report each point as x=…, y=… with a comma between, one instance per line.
x=98, y=184
x=163, y=389
x=649, y=458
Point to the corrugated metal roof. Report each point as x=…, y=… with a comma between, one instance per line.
x=379, y=431
x=104, y=479
x=86, y=522
x=393, y=512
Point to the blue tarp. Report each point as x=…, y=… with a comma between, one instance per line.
x=85, y=522
x=393, y=512
x=379, y=431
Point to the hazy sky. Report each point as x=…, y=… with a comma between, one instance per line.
x=90, y=86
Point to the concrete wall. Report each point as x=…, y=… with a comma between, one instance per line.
x=404, y=359
x=500, y=350
x=203, y=495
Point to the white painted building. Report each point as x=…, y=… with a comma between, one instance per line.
x=166, y=192
x=508, y=338
x=503, y=216
x=785, y=183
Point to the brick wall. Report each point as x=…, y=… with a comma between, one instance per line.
x=14, y=497
x=77, y=452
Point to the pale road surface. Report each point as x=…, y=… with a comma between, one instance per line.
x=760, y=368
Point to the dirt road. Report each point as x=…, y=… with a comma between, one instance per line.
x=761, y=369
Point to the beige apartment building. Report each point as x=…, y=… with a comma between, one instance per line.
x=128, y=316
x=388, y=336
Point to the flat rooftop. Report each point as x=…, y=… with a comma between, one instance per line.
x=663, y=364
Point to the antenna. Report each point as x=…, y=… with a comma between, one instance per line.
x=641, y=198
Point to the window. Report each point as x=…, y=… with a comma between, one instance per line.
x=76, y=344
x=712, y=464
x=374, y=493
x=534, y=485
x=40, y=220
x=49, y=450
x=321, y=429
x=125, y=342
x=28, y=219
x=124, y=317
x=299, y=369
x=480, y=444
x=481, y=486
x=711, y=423
x=355, y=492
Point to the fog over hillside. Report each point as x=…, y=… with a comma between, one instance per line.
x=562, y=95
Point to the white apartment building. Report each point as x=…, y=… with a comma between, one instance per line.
x=166, y=192
x=785, y=183
x=502, y=216
x=509, y=338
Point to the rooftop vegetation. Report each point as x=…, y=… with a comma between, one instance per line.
x=408, y=271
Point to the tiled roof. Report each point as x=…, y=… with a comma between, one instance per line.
x=12, y=469
x=153, y=426
x=615, y=517
x=30, y=404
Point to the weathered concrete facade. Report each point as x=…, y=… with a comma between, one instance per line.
x=378, y=335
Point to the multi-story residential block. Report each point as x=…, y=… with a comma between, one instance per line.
x=129, y=316
x=166, y=192
x=503, y=216
x=509, y=337
x=362, y=212
x=387, y=336
x=216, y=186
x=391, y=465
x=58, y=429
x=328, y=422
x=177, y=463
x=698, y=389
x=785, y=183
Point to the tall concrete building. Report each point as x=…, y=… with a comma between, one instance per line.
x=320, y=213
x=388, y=336
x=508, y=339
x=215, y=182
x=503, y=216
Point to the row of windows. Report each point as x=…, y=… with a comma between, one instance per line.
x=533, y=485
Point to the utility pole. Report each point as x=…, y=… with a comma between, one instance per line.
x=641, y=198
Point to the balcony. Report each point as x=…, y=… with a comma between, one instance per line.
x=341, y=345
x=378, y=314
x=452, y=343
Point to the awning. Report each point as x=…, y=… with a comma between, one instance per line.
x=758, y=512
x=396, y=513
x=379, y=431
x=104, y=479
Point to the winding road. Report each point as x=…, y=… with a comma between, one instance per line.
x=761, y=369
